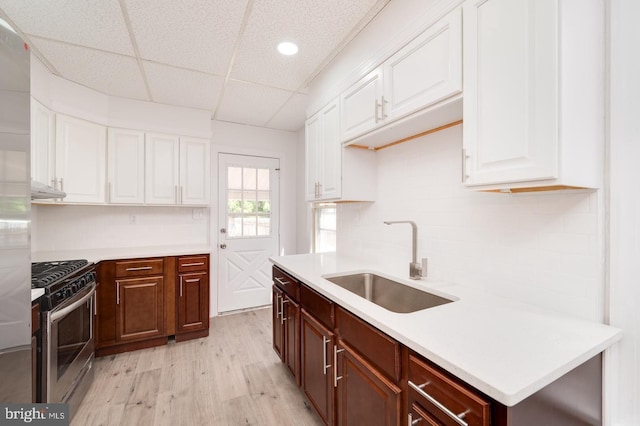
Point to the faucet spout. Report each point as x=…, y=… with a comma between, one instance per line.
x=416, y=270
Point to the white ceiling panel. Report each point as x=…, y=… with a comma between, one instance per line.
x=175, y=86
x=250, y=103
x=317, y=27
x=195, y=34
x=218, y=55
x=292, y=115
x=109, y=73
x=93, y=23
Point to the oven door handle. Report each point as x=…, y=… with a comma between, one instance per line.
x=56, y=315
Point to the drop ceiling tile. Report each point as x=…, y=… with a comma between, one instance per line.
x=292, y=115
x=317, y=27
x=195, y=34
x=176, y=86
x=250, y=103
x=93, y=23
x=105, y=72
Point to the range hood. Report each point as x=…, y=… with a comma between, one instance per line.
x=40, y=191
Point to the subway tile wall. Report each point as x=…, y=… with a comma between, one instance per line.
x=74, y=227
x=540, y=248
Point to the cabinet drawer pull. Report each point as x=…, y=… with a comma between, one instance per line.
x=192, y=264
x=382, y=107
x=140, y=268
x=194, y=280
x=336, y=351
x=180, y=286
x=117, y=292
x=324, y=354
x=282, y=302
x=278, y=313
x=412, y=422
x=281, y=281
x=455, y=417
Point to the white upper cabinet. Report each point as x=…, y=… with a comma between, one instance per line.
x=424, y=72
x=81, y=159
x=162, y=168
x=177, y=170
x=313, y=136
x=361, y=106
x=533, y=96
x=125, y=166
x=43, y=144
x=195, y=173
x=335, y=173
x=323, y=159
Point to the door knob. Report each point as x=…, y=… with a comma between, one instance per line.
x=223, y=246
x=223, y=230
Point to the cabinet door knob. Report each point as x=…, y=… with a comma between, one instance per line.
x=223, y=246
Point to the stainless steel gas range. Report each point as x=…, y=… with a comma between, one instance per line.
x=67, y=323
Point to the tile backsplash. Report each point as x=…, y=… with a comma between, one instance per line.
x=540, y=248
x=73, y=227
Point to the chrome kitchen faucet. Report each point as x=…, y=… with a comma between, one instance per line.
x=416, y=270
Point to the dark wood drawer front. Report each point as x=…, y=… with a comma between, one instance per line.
x=447, y=391
x=139, y=268
x=380, y=349
x=287, y=283
x=193, y=263
x=318, y=306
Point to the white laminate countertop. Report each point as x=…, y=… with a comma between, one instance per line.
x=97, y=255
x=506, y=349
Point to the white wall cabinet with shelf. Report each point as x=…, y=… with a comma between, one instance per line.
x=335, y=173
x=424, y=72
x=80, y=159
x=177, y=170
x=125, y=166
x=534, y=94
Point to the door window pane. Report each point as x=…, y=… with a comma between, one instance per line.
x=234, y=178
x=248, y=202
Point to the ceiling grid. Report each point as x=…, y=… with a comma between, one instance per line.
x=218, y=56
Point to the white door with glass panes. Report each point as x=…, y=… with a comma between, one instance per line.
x=248, y=229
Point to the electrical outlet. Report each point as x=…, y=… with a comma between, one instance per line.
x=197, y=214
x=133, y=219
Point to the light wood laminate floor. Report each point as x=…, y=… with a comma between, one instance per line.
x=232, y=377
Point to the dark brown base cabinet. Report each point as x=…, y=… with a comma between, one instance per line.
x=286, y=322
x=353, y=374
x=192, y=297
x=317, y=370
x=364, y=395
x=140, y=302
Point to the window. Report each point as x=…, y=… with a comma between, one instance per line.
x=248, y=202
x=324, y=227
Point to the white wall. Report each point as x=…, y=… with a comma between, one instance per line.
x=73, y=227
x=540, y=248
x=623, y=374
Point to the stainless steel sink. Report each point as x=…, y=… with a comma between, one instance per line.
x=389, y=294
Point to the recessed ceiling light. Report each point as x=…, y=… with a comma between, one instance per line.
x=287, y=48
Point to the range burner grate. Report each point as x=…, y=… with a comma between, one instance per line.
x=44, y=274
